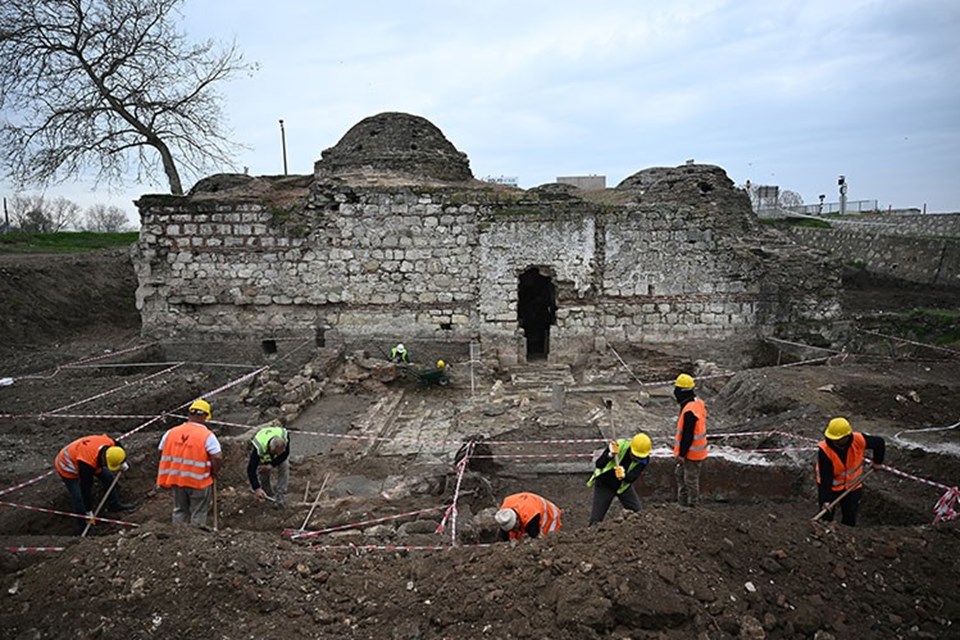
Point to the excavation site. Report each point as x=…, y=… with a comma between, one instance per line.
x=538, y=327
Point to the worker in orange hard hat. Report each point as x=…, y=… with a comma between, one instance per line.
x=690, y=441
x=618, y=466
x=840, y=461
x=190, y=459
x=78, y=463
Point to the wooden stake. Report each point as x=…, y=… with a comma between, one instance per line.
x=306, y=491
x=215, y=516
x=315, y=503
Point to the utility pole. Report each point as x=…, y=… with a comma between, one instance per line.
x=6, y=216
x=283, y=142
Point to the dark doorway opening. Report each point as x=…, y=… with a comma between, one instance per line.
x=536, y=311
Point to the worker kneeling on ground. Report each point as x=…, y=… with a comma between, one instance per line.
x=840, y=463
x=617, y=468
x=399, y=354
x=690, y=445
x=270, y=450
x=190, y=459
x=82, y=460
x=527, y=514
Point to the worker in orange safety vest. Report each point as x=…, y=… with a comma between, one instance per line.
x=527, y=514
x=190, y=459
x=78, y=463
x=690, y=442
x=840, y=462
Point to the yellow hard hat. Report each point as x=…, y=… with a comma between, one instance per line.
x=684, y=381
x=640, y=445
x=115, y=457
x=441, y=364
x=838, y=428
x=201, y=405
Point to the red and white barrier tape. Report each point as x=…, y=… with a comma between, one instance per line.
x=296, y=534
x=84, y=360
x=946, y=507
x=451, y=512
x=14, y=505
x=392, y=547
x=26, y=483
x=34, y=549
x=125, y=385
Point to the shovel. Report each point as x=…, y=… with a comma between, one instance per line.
x=843, y=495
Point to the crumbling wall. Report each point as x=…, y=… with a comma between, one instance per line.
x=381, y=245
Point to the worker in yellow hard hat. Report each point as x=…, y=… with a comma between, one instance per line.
x=840, y=462
x=618, y=466
x=81, y=461
x=190, y=459
x=690, y=441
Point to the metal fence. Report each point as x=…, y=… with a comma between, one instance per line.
x=853, y=206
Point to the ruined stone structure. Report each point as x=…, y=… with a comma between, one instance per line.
x=392, y=238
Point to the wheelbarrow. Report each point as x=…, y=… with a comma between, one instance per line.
x=427, y=377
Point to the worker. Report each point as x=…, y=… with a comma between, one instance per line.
x=190, y=460
x=840, y=463
x=527, y=514
x=270, y=450
x=85, y=458
x=399, y=354
x=690, y=446
x=619, y=465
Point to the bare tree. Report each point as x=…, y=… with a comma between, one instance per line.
x=37, y=214
x=105, y=218
x=100, y=85
x=62, y=213
x=790, y=199
x=26, y=211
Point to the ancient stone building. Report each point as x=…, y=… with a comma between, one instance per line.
x=393, y=239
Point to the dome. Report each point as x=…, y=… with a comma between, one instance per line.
x=395, y=144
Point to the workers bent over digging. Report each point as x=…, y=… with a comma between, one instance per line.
x=618, y=467
x=270, y=450
x=690, y=446
x=83, y=459
x=840, y=463
x=527, y=514
x=190, y=460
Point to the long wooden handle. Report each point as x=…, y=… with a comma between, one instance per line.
x=843, y=495
x=102, y=502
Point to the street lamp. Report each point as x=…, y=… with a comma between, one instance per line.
x=283, y=142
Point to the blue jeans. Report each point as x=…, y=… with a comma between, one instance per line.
x=76, y=495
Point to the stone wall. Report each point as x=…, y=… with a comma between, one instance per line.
x=368, y=253
x=924, y=259
x=940, y=225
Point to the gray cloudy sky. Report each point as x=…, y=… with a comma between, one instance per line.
x=789, y=93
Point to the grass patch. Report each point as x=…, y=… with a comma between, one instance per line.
x=935, y=326
x=64, y=241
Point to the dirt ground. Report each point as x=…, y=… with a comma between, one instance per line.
x=748, y=563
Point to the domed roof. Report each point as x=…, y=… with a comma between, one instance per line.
x=395, y=143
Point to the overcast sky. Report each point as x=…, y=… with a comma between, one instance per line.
x=788, y=93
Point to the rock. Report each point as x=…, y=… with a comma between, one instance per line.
x=769, y=621
x=829, y=388
x=750, y=627
x=839, y=572
x=770, y=565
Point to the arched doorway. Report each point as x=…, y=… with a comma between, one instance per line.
x=536, y=311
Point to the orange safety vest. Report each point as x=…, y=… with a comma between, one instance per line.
x=698, y=446
x=846, y=475
x=184, y=461
x=529, y=505
x=85, y=450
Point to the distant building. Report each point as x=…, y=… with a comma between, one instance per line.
x=587, y=183
x=510, y=181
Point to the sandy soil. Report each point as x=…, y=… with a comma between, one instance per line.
x=747, y=564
